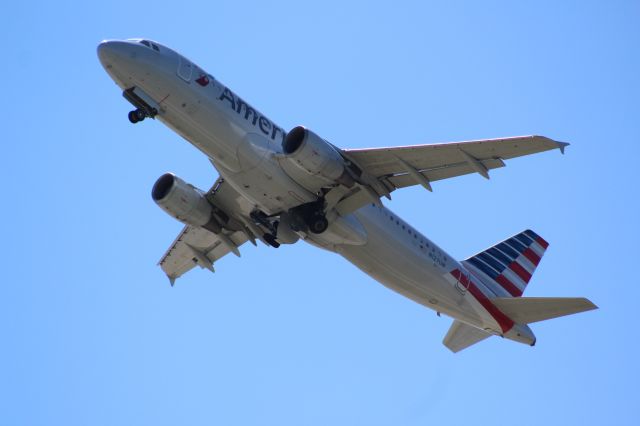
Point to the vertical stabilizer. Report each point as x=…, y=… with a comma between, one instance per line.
x=508, y=266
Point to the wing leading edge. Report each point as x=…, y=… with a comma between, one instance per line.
x=396, y=167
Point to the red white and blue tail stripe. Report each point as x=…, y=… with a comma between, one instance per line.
x=507, y=267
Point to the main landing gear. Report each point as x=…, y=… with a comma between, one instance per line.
x=312, y=215
x=137, y=115
x=271, y=239
x=307, y=217
x=263, y=219
x=317, y=222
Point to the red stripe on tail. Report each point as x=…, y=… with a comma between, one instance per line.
x=503, y=321
x=532, y=256
x=522, y=273
x=508, y=285
x=542, y=242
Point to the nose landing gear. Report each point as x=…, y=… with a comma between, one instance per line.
x=144, y=104
x=137, y=115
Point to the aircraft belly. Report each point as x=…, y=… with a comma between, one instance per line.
x=390, y=258
x=243, y=159
x=204, y=128
x=267, y=188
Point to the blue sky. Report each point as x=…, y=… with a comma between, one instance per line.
x=93, y=334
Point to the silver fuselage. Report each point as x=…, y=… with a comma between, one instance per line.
x=245, y=147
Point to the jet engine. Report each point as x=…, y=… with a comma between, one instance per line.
x=185, y=202
x=313, y=155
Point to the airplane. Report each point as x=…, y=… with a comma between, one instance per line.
x=280, y=187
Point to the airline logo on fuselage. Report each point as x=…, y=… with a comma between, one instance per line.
x=203, y=80
x=245, y=110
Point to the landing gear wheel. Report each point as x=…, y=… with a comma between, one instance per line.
x=133, y=117
x=318, y=225
x=136, y=115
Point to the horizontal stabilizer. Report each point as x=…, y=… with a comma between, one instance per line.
x=525, y=310
x=461, y=336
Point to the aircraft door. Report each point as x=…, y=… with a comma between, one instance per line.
x=462, y=284
x=185, y=68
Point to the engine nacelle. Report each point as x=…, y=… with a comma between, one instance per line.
x=184, y=202
x=315, y=156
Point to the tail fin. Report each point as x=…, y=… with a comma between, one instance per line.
x=507, y=267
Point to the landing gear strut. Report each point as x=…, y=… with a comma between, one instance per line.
x=269, y=238
x=137, y=115
x=144, y=104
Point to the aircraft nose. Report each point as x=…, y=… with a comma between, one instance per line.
x=110, y=51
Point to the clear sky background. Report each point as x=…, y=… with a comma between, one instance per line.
x=91, y=331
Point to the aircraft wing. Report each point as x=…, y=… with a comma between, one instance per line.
x=386, y=169
x=395, y=166
x=197, y=246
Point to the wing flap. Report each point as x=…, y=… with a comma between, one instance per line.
x=180, y=258
x=443, y=172
x=461, y=336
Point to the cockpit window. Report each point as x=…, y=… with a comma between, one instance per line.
x=149, y=45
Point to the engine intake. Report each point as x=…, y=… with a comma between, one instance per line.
x=184, y=202
x=293, y=140
x=315, y=156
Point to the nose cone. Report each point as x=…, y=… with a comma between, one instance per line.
x=136, y=62
x=110, y=52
